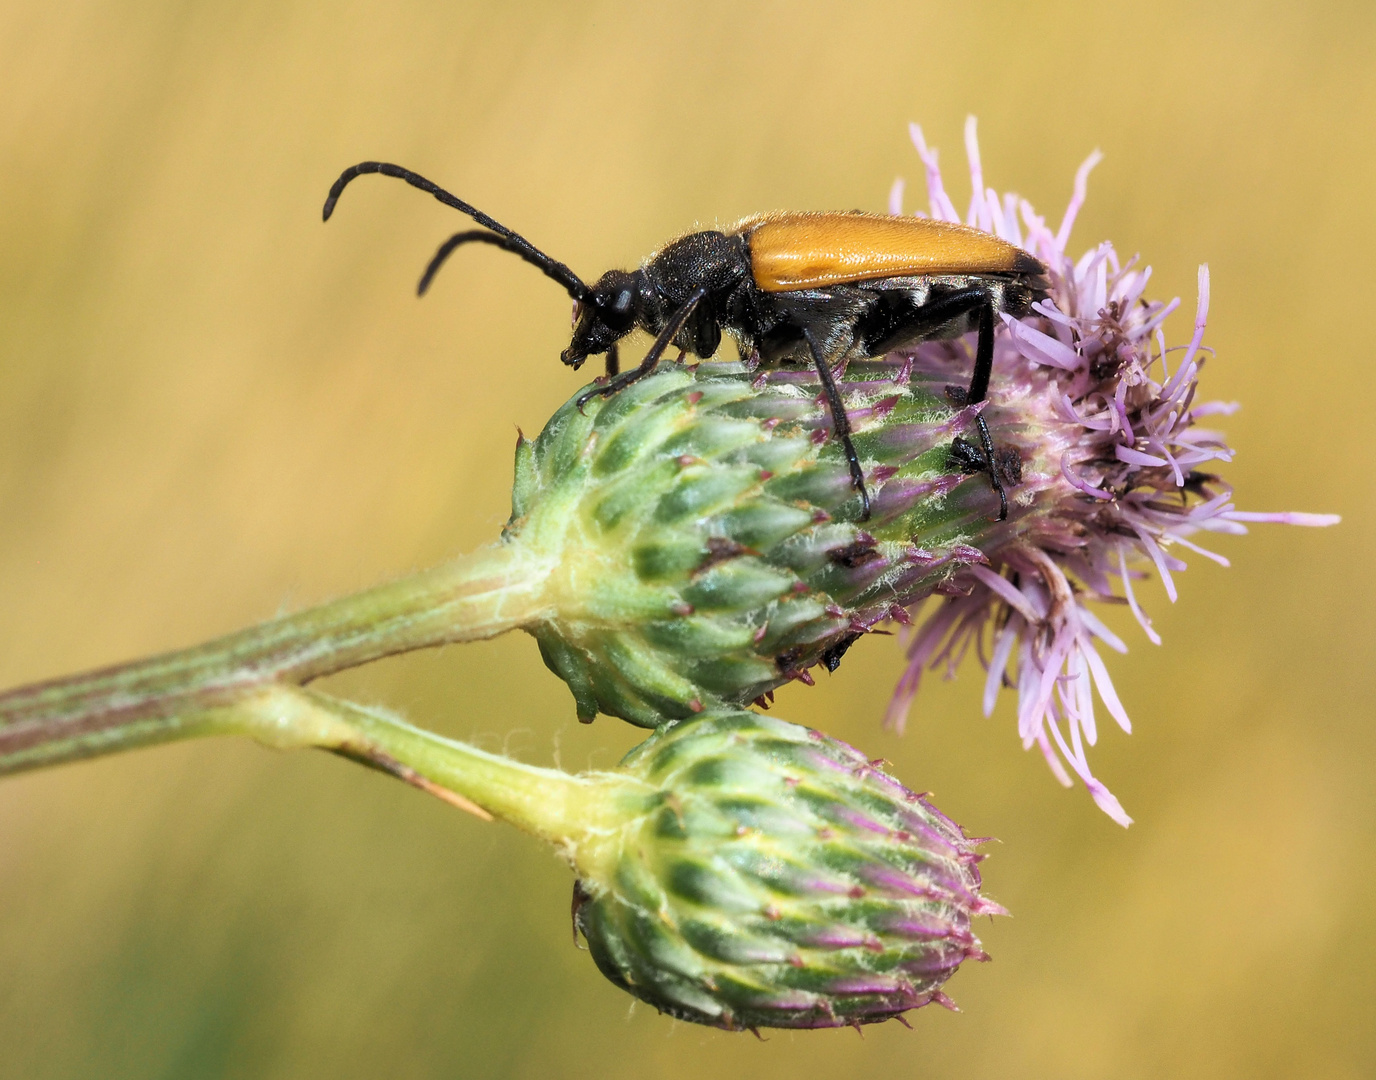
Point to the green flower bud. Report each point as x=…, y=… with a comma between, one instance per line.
x=765, y=875
x=706, y=534
x=734, y=869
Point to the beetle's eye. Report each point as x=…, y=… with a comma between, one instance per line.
x=621, y=304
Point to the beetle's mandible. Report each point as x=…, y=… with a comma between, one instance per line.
x=792, y=288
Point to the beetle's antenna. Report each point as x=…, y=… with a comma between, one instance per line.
x=514, y=242
x=481, y=236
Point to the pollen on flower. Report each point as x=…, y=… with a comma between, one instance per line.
x=1116, y=477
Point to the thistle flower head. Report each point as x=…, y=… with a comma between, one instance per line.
x=775, y=877
x=1117, y=473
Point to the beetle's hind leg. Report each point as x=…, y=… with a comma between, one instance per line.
x=1005, y=467
x=840, y=422
x=979, y=389
x=971, y=459
x=625, y=378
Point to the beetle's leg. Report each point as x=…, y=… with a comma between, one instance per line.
x=613, y=361
x=952, y=306
x=671, y=328
x=971, y=459
x=840, y=422
x=987, y=449
x=984, y=353
x=979, y=386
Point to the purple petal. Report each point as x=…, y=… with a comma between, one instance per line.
x=1077, y=198
x=1041, y=347
x=1136, y=457
x=1292, y=518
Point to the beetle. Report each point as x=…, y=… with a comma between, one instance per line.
x=792, y=288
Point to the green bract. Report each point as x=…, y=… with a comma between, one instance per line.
x=706, y=531
x=775, y=878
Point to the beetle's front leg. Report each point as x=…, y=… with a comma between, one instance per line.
x=647, y=365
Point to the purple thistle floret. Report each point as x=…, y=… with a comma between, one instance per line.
x=1115, y=473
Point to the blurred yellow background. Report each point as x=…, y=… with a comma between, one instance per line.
x=213, y=408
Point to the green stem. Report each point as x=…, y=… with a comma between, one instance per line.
x=574, y=813
x=186, y=693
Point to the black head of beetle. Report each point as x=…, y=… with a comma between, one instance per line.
x=604, y=318
x=790, y=288
x=648, y=299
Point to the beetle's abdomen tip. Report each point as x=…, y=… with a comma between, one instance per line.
x=1023, y=263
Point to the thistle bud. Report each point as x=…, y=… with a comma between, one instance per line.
x=707, y=534
x=775, y=877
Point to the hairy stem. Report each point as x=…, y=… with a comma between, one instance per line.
x=190, y=692
x=569, y=811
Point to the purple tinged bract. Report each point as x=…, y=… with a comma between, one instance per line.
x=766, y=875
